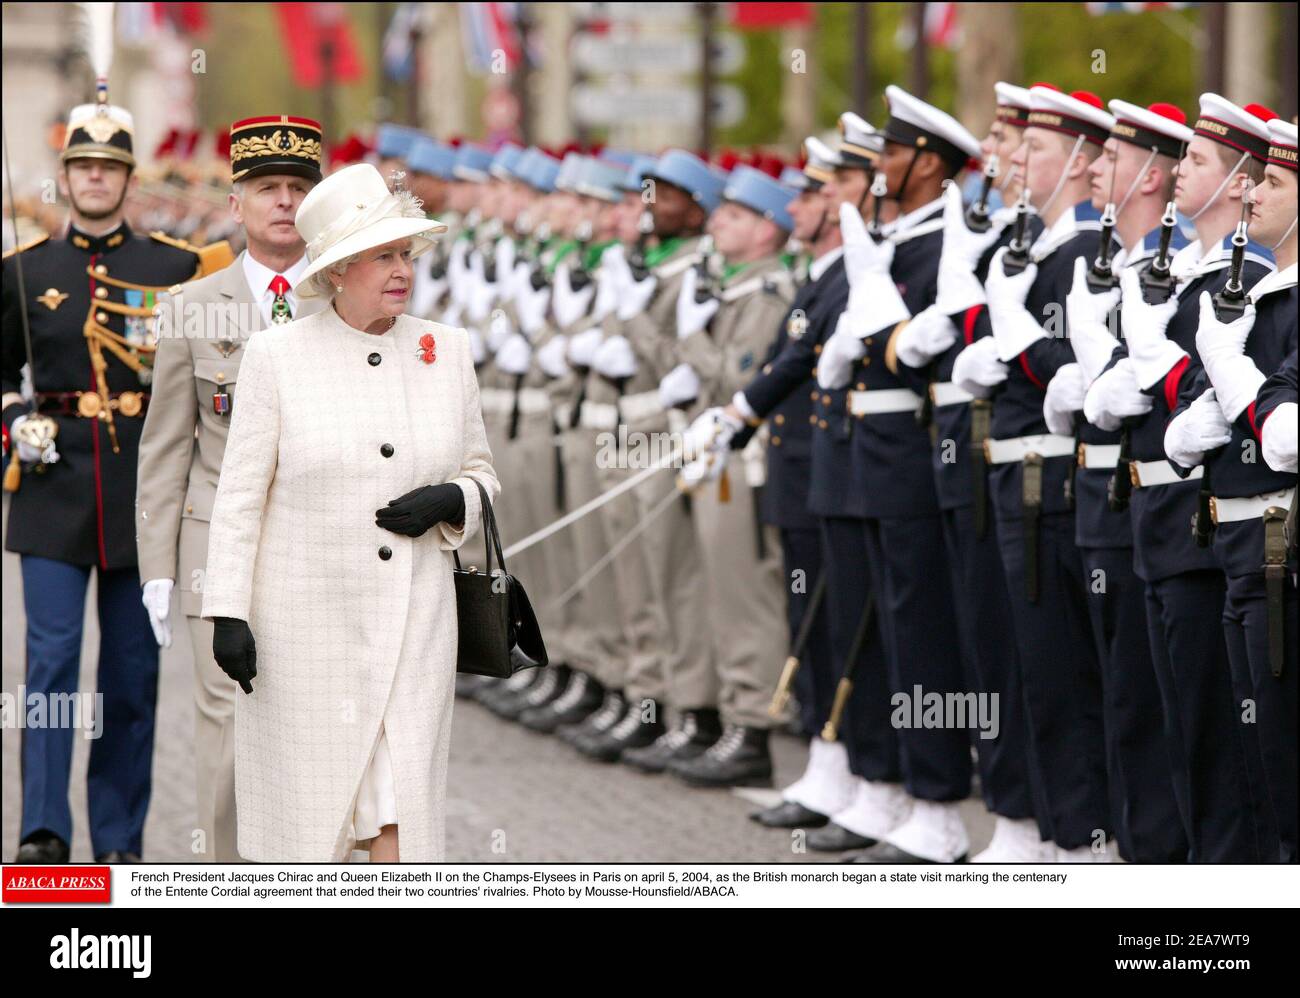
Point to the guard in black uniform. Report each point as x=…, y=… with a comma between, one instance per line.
x=88, y=299
x=1253, y=492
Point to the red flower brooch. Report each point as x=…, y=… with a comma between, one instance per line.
x=427, y=349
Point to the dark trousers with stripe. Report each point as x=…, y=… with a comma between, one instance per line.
x=1185, y=620
x=121, y=752
x=989, y=659
x=869, y=740
x=1273, y=733
x=1060, y=679
x=814, y=683
x=1144, y=811
x=922, y=652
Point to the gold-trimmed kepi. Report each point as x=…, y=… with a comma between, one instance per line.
x=275, y=144
x=99, y=131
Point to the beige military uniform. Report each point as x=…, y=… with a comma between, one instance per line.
x=746, y=598
x=202, y=331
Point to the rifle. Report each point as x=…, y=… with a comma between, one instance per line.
x=782, y=694
x=978, y=215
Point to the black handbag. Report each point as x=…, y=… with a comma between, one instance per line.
x=498, y=629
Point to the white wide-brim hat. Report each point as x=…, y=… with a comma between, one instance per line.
x=352, y=211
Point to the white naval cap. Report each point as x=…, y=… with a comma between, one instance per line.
x=1282, y=143
x=1013, y=104
x=1242, y=128
x=913, y=122
x=820, y=161
x=860, y=144
x=1162, y=127
x=1077, y=113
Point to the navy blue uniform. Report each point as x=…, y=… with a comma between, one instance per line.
x=78, y=514
x=904, y=536
x=1238, y=471
x=1185, y=593
x=1059, y=670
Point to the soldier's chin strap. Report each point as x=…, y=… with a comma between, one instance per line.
x=821, y=224
x=1285, y=235
x=1218, y=191
x=1060, y=182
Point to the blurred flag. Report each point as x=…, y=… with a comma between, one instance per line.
x=141, y=23
x=489, y=28
x=940, y=25
x=307, y=29
x=1097, y=9
x=399, y=41
x=770, y=15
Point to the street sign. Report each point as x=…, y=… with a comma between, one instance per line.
x=601, y=54
x=596, y=104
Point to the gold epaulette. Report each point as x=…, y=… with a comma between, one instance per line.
x=214, y=257
x=26, y=246
x=166, y=240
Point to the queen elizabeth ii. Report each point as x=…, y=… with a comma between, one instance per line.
x=355, y=465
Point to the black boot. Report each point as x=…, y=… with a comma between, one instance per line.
x=789, y=814
x=503, y=693
x=548, y=686
x=695, y=731
x=581, y=698
x=470, y=686
x=631, y=732
x=611, y=711
x=740, y=758
x=42, y=847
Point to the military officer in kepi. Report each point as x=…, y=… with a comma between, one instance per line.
x=203, y=327
x=86, y=300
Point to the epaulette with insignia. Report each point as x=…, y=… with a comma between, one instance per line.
x=779, y=283
x=214, y=257
x=26, y=246
x=180, y=244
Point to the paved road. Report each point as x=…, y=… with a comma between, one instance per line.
x=514, y=796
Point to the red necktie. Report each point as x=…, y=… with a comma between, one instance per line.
x=280, y=312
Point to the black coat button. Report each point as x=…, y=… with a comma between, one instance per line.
x=386, y=450
x=374, y=359
x=385, y=553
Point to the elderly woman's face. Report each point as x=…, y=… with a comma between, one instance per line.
x=380, y=282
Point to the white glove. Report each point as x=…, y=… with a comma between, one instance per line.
x=499, y=330
x=609, y=282
x=504, y=256
x=29, y=453
x=874, y=302
x=458, y=272
x=515, y=355
x=959, y=288
x=711, y=430
x=706, y=468
x=481, y=294
x=1144, y=326
x=1222, y=347
x=692, y=316
x=681, y=384
x=1090, y=336
x=1195, y=431
x=1064, y=398
x=1014, y=329
x=550, y=358
x=926, y=336
x=841, y=350
x=583, y=346
x=1114, y=397
x=977, y=369
x=157, y=599
x=531, y=306
x=570, y=305
x=1278, y=439
x=634, y=296
x=426, y=292
x=517, y=277
x=615, y=358
x=477, y=348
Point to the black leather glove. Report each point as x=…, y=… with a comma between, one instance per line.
x=422, y=508
x=235, y=651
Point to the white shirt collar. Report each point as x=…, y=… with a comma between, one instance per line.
x=903, y=223
x=823, y=263
x=1277, y=280
x=259, y=277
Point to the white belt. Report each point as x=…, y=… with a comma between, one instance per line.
x=533, y=401
x=640, y=406
x=1148, y=473
x=1018, y=448
x=875, y=403
x=598, y=415
x=1098, y=455
x=496, y=399
x=1252, y=508
x=563, y=414
x=949, y=393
